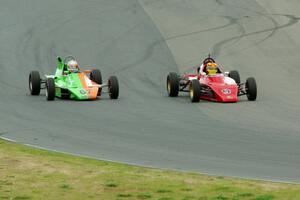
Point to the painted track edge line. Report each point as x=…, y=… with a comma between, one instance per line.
x=145, y=166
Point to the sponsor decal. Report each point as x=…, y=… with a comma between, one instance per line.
x=71, y=82
x=229, y=97
x=88, y=81
x=82, y=91
x=226, y=91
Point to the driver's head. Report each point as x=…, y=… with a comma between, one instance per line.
x=73, y=66
x=208, y=60
x=211, y=68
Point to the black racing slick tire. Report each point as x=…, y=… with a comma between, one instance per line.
x=34, y=83
x=173, y=84
x=50, y=89
x=251, y=89
x=195, y=91
x=234, y=74
x=113, y=87
x=96, y=76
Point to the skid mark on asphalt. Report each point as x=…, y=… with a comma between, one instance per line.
x=292, y=20
x=148, y=53
x=231, y=21
x=150, y=49
x=216, y=49
x=33, y=33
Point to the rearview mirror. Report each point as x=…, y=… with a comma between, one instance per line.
x=59, y=59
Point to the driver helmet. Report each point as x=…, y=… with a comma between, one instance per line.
x=208, y=60
x=211, y=68
x=73, y=66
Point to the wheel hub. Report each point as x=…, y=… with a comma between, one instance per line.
x=191, y=92
x=169, y=87
x=30, y=85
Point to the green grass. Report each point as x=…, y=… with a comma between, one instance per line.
x=27, y=173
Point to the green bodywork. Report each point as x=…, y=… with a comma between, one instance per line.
x=66, y=81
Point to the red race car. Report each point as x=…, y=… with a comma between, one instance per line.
x=210, y=83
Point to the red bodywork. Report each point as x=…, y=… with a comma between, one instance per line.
x=216, y=87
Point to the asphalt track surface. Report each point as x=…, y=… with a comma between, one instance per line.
x=140, y=42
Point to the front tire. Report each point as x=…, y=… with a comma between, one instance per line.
x=173, y=84
x=113, y=87
x=195, y=91
x=34, y=83
x=50, y=89
x=251, y=89
x=96, y=76
x=234, y=74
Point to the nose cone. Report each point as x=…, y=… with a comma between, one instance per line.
x=79, y=93
x=227, y=94
x=92, y=92
x=82, y=87
x=84, y=93
x=229, y=98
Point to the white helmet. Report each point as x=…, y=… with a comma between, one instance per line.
x=73, y=66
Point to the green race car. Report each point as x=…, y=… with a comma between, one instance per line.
x=69, y=82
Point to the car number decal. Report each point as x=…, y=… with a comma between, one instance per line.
x=226, y=91
x=82, y=91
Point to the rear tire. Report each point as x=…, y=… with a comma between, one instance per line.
x=50, y=89
x=34, y=83
x=234, y=74
x=113, y=87
x=195, y=91
x=173, y=84
x=251, y=89
x=96, y=76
